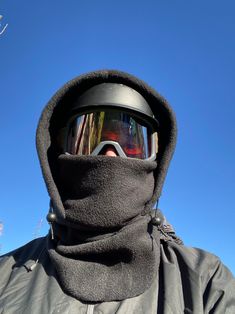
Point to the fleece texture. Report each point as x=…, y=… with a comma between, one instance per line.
x=55, y=114
x=107, y=246
x=113, y=267
x=104, y=248
x=101, y=192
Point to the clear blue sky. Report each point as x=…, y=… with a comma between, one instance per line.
x=185, y=49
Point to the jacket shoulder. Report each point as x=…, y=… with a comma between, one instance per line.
x=205, y=282
x=27, y=278
x=27, y=251
x=22, y=256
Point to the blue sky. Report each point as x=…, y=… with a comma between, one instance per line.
x=184, y=49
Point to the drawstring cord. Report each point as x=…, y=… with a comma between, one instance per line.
x=31, y=267
x=167, y=231
x=51, y=218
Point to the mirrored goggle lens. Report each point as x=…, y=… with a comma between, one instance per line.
x=88, y=131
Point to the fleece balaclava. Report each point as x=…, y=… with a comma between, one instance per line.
x=104, y=247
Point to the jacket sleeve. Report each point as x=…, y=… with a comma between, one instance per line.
x=194, y=281
x=219, y=293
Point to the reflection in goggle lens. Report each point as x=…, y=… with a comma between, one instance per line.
x=87, y=131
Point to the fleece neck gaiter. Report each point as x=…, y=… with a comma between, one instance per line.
x=105, y=251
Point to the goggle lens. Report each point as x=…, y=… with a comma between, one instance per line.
x=88, y=131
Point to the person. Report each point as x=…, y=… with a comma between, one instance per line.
x=105, y=141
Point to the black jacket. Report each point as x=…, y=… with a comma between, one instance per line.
x=190, y=281
x=186, y=280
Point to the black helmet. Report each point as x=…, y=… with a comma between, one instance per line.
x=111, y=114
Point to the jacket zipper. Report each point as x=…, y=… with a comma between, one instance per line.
x=90, y=309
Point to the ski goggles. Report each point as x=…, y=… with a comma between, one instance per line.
x=91, y=133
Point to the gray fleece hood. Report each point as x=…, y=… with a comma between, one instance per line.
x=57, y=108
x=106, y=246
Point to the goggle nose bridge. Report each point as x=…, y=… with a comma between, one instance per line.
x=121, y=152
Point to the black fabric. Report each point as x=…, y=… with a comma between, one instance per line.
x=188, y=280
x=71, y=215
x=115, y=267
x=104, y=192
x=110, y=250
x=210, y=285
x=56, y=112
